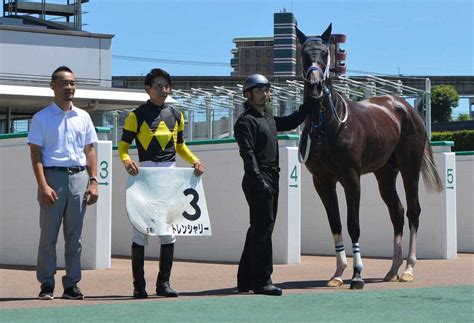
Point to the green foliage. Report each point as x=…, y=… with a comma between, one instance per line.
x=443, y=99
x=464, y=117
x=463, y=139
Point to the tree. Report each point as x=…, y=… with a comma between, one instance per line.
x=443, y=99
x=464, y=117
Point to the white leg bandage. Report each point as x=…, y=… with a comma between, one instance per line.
x=357, y=258
x=340, y=254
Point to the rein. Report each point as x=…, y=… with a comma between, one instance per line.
x=333, y=108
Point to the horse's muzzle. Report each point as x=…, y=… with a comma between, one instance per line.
x=317, y=90
x=316, y=80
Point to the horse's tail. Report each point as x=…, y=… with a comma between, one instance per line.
x=429, y=172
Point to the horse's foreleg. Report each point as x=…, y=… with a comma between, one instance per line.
x=351, y=186
x=341, y=262
x=327, y=192
x=357, y=281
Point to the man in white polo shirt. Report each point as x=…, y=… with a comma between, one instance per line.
x=61, y=140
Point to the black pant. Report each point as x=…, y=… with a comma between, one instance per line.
x=256, y=262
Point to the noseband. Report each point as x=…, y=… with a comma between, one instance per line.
x=307, y=73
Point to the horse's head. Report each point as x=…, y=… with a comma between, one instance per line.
x=315, y=60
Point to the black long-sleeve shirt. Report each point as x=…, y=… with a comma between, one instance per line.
x=256, y=135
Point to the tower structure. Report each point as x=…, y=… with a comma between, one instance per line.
x=284, y=44
x=65, y=14
x=279, y=56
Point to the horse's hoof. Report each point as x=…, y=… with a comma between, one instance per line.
x=357, y=284
x=391, y=277
x=335, y=282
x=407, y=277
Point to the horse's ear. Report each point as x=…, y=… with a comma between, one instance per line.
x=301, y=37
x=325, y=36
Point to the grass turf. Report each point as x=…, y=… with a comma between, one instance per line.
x=453, y=304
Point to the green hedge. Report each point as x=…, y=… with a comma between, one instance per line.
x=463, y=139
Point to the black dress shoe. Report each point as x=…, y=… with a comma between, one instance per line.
x=140, y=293
x=243, y=289
x=268, y=289
x=164, y=289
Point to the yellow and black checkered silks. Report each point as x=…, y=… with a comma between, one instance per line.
x=158, y=134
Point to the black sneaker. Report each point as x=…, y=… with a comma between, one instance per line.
x=73, y=292
x=46, y=293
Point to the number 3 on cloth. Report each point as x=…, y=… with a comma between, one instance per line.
x=193, y=203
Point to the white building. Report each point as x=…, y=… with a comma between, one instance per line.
x=32, y=48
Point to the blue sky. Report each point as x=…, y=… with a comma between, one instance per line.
x=414, y=37
x=417, y=37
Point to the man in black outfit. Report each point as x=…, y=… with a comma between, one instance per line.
x=256, y=134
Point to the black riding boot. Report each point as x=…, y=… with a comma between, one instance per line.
x=163, y=287
x=138, y=261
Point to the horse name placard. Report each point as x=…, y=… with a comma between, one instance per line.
x=164, y=201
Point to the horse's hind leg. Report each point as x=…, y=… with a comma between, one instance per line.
x=327, y=192
x=410, y=182
x=386, y=178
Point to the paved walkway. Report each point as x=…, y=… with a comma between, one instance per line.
x=19, y=288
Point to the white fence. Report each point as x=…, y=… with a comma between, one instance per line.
x=19, y=231
x=19, y=224
x=465, y=201
x=19, y=211
x=228, y=210
x=437, y=229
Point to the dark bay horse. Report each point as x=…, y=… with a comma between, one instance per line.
x=343, y=140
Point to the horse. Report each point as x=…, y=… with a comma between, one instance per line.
x=342, y=140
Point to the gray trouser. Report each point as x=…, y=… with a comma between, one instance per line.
x=69, y=209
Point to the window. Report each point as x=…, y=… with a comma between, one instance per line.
x=257, y=67
x=246, y=67
x=269, y=53
x=269, y=67
x=257, y=53
x=246, y=53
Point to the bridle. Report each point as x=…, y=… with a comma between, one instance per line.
x=325, y=91
x=314, y=67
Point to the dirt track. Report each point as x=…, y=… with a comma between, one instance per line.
x=19, y=288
